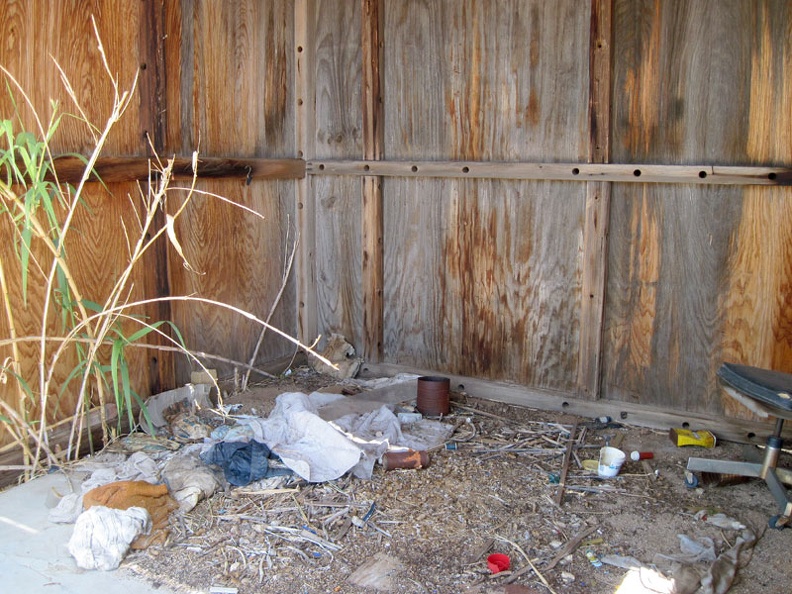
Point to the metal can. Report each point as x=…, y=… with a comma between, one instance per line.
x=407, y=459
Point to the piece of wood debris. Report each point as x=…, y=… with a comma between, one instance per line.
x=565, y=466
x=570, y=546
x=377, y=573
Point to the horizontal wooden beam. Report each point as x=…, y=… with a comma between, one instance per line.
x=124, y=169
x=728, y=429
x=612, y=172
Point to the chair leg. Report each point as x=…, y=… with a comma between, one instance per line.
x=765, y=470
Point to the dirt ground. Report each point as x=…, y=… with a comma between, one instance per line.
x=431, y=530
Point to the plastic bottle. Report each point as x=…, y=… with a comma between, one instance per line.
x=636, y=455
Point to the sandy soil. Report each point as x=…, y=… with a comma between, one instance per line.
x=431, y=530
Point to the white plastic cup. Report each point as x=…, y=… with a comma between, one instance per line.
x=610, y=462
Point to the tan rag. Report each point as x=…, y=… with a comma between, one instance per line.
x=126, y=494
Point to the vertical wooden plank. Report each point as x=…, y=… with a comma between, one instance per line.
x=595, y=225
x=337, y=85
x=153, y=131
x=305, y=143
x=373, y=129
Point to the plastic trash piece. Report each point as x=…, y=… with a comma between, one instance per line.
x=593, y=559
x=719, y=520
x=686, y=437
x=636, y=455
x=498, y=562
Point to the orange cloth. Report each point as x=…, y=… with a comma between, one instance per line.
x=126, y=494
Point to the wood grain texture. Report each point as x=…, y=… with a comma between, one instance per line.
x=668, y=258
x=758, y=298
x=371, y=187
x=36, y=34
x=97, y=253
x=339, y=134
x=304, y=74
x=153, y=124
x=339, y=258
x=483, y=278
x=639, y=173
x=229, y=73
x=338, y=80
x=238, y=259
x=230, y=93
x=486, y=81
x=121, y=169
x=698, y=275
x=681, y=75
x=597, y=220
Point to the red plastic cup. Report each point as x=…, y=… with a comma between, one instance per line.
x=498, y=562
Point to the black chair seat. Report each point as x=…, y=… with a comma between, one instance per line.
x=771, y=388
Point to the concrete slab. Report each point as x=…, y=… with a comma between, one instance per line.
x=34, y=557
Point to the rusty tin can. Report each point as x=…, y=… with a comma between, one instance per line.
x=412, y=459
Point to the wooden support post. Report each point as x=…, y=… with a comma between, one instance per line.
x=373, y=138
x=162, y=371
x=595, y=226
x=305, y=142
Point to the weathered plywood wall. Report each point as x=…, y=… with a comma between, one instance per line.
x=482, y=277
x=228, y=92
x=698, y=275
x=338, y=133
x=539, y=282
x=34, y=35
x=214, y=77
x=485, y=278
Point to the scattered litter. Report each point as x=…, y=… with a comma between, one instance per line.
x=593, y=559
x=102, y=536
x=342, y=355
x=694, y=550
x=622, y=561
x=720, y=520
x=722, y=572
x=498, y=562
x=141, y=442
x=189, y=480
x=223, y=590
x=243, y=462
x=188, y=427
x=204, y=376
x=635, y=455
x=161, y=408
x=377, y=573
x=610, y=462
x=686, y=437
x=107, y=467
x=125, y=494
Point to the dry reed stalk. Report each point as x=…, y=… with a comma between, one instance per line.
x=95, y=329
x=276, y=301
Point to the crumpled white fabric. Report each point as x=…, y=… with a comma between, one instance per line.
x=309, y=446
x=320, y=451
x=102, y=535
x=189, y=480
x=138, y=467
